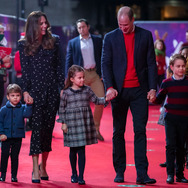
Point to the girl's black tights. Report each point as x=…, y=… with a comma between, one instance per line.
x=81, y=160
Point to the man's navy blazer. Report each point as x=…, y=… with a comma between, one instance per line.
x=114, y=59
x=74, y=55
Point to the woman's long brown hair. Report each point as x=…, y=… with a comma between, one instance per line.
x=32, y=33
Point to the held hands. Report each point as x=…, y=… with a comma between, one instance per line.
x=151, y=95
x=111, y=94
x=3, y=137
x=64, y=128
x=27, y=98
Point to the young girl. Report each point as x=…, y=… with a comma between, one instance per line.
x=160, y=49
x=77, y=120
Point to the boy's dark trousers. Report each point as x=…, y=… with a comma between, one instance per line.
x=175, y=150
x=10, y=147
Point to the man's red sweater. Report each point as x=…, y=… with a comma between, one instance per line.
x=131, y=78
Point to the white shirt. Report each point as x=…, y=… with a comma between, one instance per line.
x=87, y=51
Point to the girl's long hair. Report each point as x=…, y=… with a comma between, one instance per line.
x=32, y=34
x=71, y=74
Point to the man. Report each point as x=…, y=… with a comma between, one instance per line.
x=129, y=71
x=85, y=50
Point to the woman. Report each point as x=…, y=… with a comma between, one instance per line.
x=42, y=77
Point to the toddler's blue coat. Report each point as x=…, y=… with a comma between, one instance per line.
x=12, y=119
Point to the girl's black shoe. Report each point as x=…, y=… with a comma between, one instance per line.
x=2, y=178
x=81, y=182
x=14, y=179
x=74, y=178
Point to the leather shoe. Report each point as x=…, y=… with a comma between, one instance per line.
x=81, y=182
x=181, y=179
x=146, y=180
x=99, y=136
x=14, y=179
x=119, y=178
x=74, y=178
x=2, y=179
x=170, y=179
x=162, y=164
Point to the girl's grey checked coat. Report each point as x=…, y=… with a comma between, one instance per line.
x=75, y=111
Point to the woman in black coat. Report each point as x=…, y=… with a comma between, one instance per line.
x=42, y=78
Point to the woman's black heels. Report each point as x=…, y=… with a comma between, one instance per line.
x=46, y=178
x=35, y=180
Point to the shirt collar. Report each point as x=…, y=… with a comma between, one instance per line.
x=178, y=79
x=81, y=38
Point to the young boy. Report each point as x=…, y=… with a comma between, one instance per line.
x=176, y=117
x=12, y=129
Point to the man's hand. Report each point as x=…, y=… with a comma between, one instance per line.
x=64, y=128
x=111, y=94
x=151, y=95
x=3, y=137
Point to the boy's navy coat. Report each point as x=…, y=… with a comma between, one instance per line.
x=12, y=120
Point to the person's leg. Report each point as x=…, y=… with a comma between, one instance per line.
x=81, y=164
x=5, y=148
x=170, y=131
x=15, y=150
x=73, y=159
x=93, y=80
x=120, y=107
x=180, y=149
x=42, y=166
x=139, y=110
x=35, y=173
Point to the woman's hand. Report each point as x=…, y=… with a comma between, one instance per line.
x=64, y=128
x=27, y=98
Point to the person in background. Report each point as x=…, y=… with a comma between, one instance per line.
x=186, y=42
x=42, y=79
x=176, y=117
x=5, y=63
x=160, y=52
x=85, y=51
x=129, y=72
x=12, y=129
x=77, y=120
x=17, y=64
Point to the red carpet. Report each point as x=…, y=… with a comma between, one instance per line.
x=99, y=170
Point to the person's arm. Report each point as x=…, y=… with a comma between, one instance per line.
x=151, y=64
x=25, y=67
x=106, y=63
x=62, y=108
x=3, y=137
x=26, y=74
x=60, y=74
x=17, y=65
